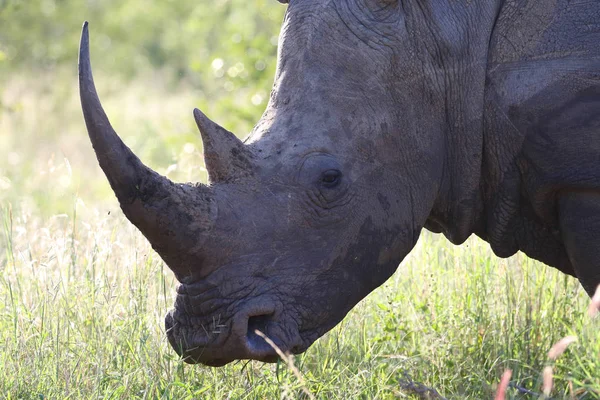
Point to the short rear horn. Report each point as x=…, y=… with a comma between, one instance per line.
x=225, y=156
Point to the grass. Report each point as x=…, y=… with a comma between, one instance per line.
x=83, y=296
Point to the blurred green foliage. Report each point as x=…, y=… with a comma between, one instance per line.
x=232, y=42
x=153, y=62
x=214, y=48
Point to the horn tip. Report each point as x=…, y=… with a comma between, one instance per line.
x=199, y=116
x=85, y=40
x=84, y=33
x=201, y=120
x=84, y=64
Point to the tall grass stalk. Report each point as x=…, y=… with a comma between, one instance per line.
x=452, y=319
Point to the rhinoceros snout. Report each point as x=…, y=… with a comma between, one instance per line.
x=256, y=332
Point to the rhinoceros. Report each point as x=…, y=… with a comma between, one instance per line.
x=386, y=117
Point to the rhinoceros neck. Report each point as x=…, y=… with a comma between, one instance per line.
x=459, y=34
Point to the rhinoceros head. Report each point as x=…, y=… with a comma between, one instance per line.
x=314, y=210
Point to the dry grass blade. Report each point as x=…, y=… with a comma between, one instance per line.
x=571, y=391
x=547, y=381
x=503, y=385
x=289, y=361
x=560, y=347
x=594, y=303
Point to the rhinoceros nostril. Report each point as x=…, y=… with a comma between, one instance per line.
x=256, y=343
x=258, y=322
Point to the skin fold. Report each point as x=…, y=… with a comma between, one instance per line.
x=386, y=117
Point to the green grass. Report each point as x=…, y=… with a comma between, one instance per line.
x=83, y=296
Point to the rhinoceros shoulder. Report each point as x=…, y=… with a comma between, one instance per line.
x=541, y=122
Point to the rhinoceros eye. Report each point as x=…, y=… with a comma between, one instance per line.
x=331, y=178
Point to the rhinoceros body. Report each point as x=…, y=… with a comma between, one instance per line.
x=386, y=116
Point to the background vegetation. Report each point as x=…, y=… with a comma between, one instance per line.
x=82, y=295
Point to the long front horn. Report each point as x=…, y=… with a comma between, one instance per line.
x=225, y=156
x=173, y=217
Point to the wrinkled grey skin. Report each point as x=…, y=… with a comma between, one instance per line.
x=385, y=117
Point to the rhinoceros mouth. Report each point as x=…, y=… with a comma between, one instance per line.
x=259, y=330
x=188, y=337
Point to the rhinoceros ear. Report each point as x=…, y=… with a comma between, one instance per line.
x=225, y=156
x=173, y=217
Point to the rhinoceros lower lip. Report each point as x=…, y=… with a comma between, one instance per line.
x=187, y=340
x=238, y=339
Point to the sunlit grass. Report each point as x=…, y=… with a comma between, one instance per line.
x=83, y=302
x=83, y=296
